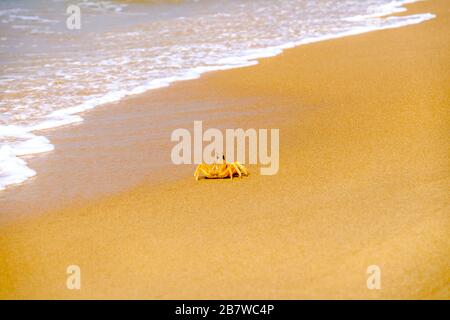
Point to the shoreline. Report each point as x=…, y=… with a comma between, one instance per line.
x=72, y=116
x=363, y=156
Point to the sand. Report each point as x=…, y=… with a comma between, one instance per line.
x=363, y=180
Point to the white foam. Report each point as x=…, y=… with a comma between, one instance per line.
x=31, y=18
x=412, y=19
x=14, y=170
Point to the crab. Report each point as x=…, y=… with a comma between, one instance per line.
x=220, y=170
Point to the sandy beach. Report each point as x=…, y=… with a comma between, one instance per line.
x=363, y=180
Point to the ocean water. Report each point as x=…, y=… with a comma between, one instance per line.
x=50, y=74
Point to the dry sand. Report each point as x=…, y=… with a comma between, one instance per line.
x=364, y=175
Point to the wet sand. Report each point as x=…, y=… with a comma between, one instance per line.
x=363, y=180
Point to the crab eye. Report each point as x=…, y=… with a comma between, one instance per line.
x=223, y=157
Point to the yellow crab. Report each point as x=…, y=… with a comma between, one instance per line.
x=220, y=170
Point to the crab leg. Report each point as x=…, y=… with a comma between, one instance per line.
x=236, y=168
x=206, y=173
x=225, y=172
x=196, y=173
x=242, y=168
x=230, y=171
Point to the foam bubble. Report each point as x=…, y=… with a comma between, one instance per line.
x=13, y=170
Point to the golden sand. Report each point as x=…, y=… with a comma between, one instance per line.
x=363, y=180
